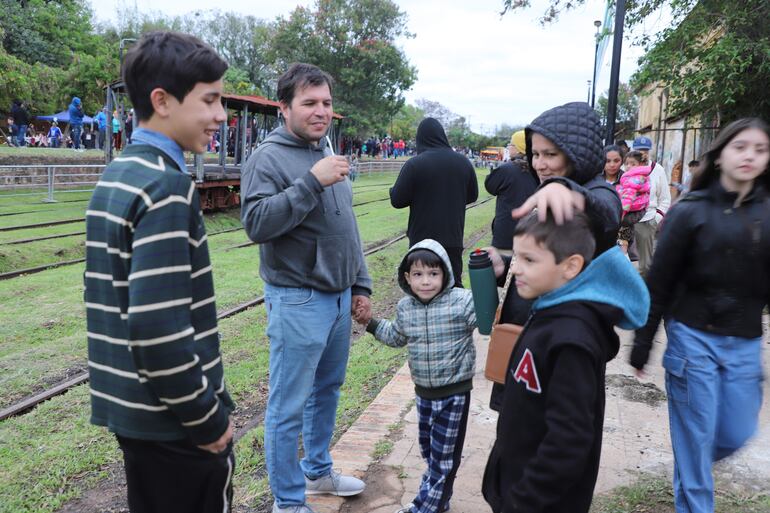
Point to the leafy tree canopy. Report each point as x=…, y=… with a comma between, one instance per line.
x=627, y=111
x=713, y=58
x=405, y=122
x=354, y=41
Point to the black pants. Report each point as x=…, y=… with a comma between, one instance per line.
x=456, y=259
x=176, y=476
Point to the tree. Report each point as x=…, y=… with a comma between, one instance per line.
x=243, y=41
x=713, y=58
x=628, y=110
x=45, y=31
x=354, y=41
x=715, y=61
x=237, y=81
x=405, y=122
x=437, y=111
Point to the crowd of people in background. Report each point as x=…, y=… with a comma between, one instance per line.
x=24, y=130
x=384, y=147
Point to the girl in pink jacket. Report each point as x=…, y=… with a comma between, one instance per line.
x=634, y=190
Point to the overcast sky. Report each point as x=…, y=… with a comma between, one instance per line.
x=491, y=70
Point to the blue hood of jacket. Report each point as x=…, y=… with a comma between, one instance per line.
x=609, y=279
x=76, y=113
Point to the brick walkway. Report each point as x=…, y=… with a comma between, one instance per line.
x=635, y=440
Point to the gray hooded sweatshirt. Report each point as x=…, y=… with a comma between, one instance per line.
x=307, y=233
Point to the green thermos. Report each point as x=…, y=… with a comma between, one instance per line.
x=484, y=289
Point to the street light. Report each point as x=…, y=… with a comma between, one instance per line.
x=597, y=24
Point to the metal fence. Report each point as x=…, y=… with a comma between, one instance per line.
x=53, y=179
x=379, y=166
x=30, y=180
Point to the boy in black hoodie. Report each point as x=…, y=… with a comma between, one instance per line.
x=549, y=434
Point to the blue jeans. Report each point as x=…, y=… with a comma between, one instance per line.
x=309, y=334
x=76, y=130
x=714, y=387
x=20, y=137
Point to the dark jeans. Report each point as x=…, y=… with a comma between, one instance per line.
x=176, y=476
x=102, y=137
x=456, y=259
x=22, y=133
x=76, y=131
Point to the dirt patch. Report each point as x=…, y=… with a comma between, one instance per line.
x=634, y=390
x=108, y=496
x=383, y=488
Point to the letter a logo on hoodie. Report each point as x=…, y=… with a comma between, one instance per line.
x=527, y=372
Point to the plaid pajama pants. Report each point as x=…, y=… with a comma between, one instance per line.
x=442, y=424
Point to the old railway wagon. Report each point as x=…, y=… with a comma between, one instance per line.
x=249, y=120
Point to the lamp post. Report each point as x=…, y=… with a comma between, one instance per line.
x=597, y=24
x=617, y=46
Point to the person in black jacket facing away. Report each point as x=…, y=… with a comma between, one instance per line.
x=436, y=185
x=565, y=154
x=549, y=433
x=513, y=184
x=710, y=278
x=21, y=120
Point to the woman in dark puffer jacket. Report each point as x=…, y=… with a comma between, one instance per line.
x=710, y=279
x=566, y=156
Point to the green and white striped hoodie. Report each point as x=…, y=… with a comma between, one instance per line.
x=153, y=345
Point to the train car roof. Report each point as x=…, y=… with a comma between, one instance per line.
x=235, y=101
x=258, y=104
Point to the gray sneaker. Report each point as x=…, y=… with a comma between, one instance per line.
x=302, y=508
x=335, y=484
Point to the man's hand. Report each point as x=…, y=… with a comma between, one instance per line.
x=361, y=309
x=220, y=445
x=555, y=197
x=331, y=170
x=497, y=261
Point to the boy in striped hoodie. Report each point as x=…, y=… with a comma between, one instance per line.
x=153, y=345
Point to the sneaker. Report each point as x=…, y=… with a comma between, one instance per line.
x=335, y=484
x=408, y=508
x=302, y=508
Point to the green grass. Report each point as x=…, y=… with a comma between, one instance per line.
x=653, y=494
x=51, y=454
x=54, y=153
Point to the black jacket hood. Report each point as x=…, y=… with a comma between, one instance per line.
x=575, y=128
x=431, y=135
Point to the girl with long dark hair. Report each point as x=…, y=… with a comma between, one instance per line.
x=710, y=279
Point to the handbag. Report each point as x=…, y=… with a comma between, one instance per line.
x=502, y=340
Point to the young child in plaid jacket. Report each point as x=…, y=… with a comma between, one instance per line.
x=436, y=322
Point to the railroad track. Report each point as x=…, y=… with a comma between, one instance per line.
x=32, y=270
x=41, y=225
x=61, y=388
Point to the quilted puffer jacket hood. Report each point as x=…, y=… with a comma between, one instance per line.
x=575, y=128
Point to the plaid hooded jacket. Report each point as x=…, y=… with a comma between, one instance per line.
x=439, y=334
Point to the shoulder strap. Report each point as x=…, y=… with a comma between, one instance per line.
x=508, y=280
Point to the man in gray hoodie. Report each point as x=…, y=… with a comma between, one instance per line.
x=298, y=205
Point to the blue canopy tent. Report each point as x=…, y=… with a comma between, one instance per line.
x=64, y=117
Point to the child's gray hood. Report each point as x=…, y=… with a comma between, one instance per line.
x=438, y=249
